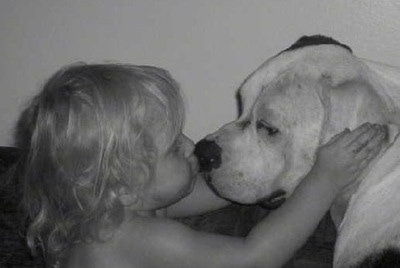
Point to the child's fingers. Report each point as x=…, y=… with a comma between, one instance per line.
x=374, y=143
x=338, y=136
x=364, y=163
x=353, y=135
x=366, y=157
x=369, y=155
x=364, y=139
x=378, y=139
x=373, y=151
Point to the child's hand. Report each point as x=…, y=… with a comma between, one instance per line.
x=343, y=158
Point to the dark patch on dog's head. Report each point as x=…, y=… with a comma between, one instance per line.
x=387, y=258
x=315, y=40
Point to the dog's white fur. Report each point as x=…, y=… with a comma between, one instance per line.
x=311, y=94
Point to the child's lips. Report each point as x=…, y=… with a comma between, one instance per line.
x=194, y=164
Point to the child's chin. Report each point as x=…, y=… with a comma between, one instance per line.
x=185, y=191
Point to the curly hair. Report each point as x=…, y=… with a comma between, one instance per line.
x=92, y=132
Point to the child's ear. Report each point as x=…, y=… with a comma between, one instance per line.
x=127, y=198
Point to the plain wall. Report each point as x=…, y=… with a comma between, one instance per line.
x=209, y=46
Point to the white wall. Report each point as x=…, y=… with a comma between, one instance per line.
x=210, y=46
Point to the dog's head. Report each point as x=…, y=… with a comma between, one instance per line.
x=270, y=147
x=291, y=104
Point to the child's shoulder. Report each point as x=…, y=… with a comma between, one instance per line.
x=135, y=244
x=143, y=230
x=156, y=239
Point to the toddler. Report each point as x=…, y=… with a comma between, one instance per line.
x=107, y=165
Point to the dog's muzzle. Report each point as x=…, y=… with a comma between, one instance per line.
x=208, y=154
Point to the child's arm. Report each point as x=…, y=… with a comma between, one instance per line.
x=275, y=239
x=201, y=200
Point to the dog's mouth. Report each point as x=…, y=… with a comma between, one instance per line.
x=207, y=177
x=274, y=201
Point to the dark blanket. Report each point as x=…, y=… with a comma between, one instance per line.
x=13, y=249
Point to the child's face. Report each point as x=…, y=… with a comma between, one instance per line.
x=175, y=173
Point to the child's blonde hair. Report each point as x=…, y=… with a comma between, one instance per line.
x=93, y=132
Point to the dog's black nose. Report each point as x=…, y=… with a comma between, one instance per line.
x=209, y=155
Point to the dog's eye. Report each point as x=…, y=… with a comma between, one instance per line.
x=272, y=131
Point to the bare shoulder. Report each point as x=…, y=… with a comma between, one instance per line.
x=166, y=243
x=130, y=246
x=161, y=242
x=152, y=234
x=151, y=242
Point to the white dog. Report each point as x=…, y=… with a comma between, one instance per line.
x=293, y=103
